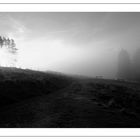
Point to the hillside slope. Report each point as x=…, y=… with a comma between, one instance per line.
x=36, y=99
x=17, y=85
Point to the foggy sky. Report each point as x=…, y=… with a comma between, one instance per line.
x=75, y=43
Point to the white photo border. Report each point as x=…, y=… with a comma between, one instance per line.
x=34, y=7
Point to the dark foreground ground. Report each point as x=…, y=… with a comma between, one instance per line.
x=32, y=99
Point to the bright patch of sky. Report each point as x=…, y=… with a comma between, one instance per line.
x=76, y=43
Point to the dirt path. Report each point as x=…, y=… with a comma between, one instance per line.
x=70, y=107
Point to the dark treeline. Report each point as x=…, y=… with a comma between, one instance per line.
x=9, y=44
x=129, y=69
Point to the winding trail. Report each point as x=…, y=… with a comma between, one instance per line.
x=69, y=107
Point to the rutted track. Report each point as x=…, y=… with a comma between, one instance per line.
x=70, y=107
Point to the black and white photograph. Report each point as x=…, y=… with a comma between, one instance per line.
x=69, y=69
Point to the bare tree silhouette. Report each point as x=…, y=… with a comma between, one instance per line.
x=124, y=65
x=9, y=46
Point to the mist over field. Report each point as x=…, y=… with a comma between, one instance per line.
x=76, y=43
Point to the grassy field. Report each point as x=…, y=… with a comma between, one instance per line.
x=32, y=99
